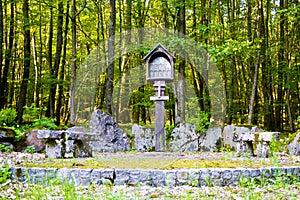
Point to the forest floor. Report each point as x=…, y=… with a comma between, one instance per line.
x=282, y=189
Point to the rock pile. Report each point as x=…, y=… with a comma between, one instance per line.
x=111, y=137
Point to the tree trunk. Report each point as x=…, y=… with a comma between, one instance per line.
x=281, y=67
x=55, y=69
x=111, y=63
x=50, y=109
x=8, y=56
x=181, y=28
x=73, y=78
x=26, y=72
x=2, y=97
x=253, y=93
x=62, y=70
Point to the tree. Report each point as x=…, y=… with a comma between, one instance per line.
x=62, y=71
x=27, y=58
x=2, y=97
x=55, y=69
x=73, y=78
x=181, y=28
x=111, y=62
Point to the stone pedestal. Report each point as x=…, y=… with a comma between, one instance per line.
x=55, y=148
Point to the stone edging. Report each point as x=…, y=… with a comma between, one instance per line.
x=151, y=177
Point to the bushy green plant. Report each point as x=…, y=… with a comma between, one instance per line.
x=278, y=146
x=169, y=129
x=45, y=122
x=4, y=148
x=4, y=173
x=19, y=133
x=298, y=122
x=32, y=115
x=8, y=117
x=32, y=112
x=201, y=121
x=30, y=149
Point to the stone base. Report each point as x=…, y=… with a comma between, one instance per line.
x=55, y=148
x=255, y=143
x=152, y=177
x=82, y=149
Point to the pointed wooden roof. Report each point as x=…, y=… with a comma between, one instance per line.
x=159, y=48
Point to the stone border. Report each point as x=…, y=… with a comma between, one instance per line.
x=151, y=177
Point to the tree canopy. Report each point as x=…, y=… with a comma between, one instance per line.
x=253, y=44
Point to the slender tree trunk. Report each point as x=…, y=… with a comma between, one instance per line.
x=50, y=109
x=124, y=114
x=142, y=108
x=59, y=44
x=8, y=56
x=39, y=89
x=27, y=57
x=13, y=71
x=2, y=97
x=73, y=79
x=264, y=66
x=253, y=93
x=111, y=63
x=36, y=68
x=62, y=71
x=281, y=67
x=55, y=68
x=165, y=13
x=181, y=28
x=288, y=105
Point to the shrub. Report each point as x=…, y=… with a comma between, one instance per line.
x=169, y=129
x=201, y=121
x=32, y=116
x=30, y=149
x=8, y=117
x=4, y=173
x=4, y=148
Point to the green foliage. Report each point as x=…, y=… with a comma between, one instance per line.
x=276, y=146
x=201, y=121
x=32, y=116
x=4, y=173
x=169, y=129
x=279, y=179
x=45, y=123
x=4, y=148
x=19, y=133
x=69, y=191
x=32, y=112
x=8, y=117
x=30, y=149
x=298, y=122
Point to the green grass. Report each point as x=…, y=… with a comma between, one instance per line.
x=151, y=161
x=280, y=189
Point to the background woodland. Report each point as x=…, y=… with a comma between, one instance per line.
x=254, y=44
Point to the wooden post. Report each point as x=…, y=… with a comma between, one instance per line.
x=159, y=69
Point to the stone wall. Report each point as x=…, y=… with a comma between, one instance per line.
x=152, y=177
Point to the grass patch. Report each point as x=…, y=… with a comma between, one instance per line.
x=151, y=161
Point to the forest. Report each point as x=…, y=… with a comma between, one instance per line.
x=253, y=44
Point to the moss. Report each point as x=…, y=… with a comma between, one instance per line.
x=256, y=136
x=219, y=164
x=292, y=136
x=134, y=162
x=219, y=144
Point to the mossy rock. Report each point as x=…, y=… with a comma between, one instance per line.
x=7, y=134
x=292, y=136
